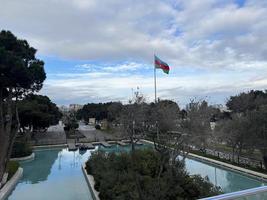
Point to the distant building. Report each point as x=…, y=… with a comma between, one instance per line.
x=75, y=107
x=104, y=124
x=92, y=121
x=221, y=107
x=212, y=125
x=63, y=108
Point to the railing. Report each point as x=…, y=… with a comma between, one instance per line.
x=245, y=161
x=65, y=141
x=258, y=193
x=239, y=160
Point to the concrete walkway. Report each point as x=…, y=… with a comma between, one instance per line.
x=96, y=135
x=53, y=133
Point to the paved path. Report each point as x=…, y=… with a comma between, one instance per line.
x=56, y=128
x=83, y=127
x=95, y=135
x=54, y=134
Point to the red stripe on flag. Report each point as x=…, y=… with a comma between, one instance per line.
x=161, y=65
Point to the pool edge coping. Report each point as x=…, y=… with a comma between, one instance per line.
x=90, y=182
x=25, y=158
x=253, y=174
x=43, y=147
x=6, y=190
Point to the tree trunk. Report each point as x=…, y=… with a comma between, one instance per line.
x=13, y=133
x=239, y=153
x=264, y=157
x=1, y=111
x=4, y=152
x=132, y=133
x=132, y=144
x=2, y=136
x=7, y=133
x=233, y=154
x=139, y=189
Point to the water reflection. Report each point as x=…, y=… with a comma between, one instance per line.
x=229, y=181
x=39, y=171
x=239, y=182
x=118, y=149
x=82, y=152
x=54, y=174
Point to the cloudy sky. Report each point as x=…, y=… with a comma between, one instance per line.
x=100, y=50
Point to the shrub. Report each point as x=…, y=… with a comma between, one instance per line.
x=126, y=176
x=66, y=128
x=98, y=127
x=12, y=167
x=71, y=126
x=21, y=149
x=75, y=125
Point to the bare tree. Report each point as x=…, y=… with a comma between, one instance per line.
x=235, y=132
x=258, y=130
x=197, y=123
x=132, y=118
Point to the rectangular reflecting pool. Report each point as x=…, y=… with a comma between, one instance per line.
x=56, y=174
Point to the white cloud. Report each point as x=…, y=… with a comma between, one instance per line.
x=106, y=68
x=186, y=32
x=214, y=35
x=78, y=75
x=125, y=67
x=215, y=86
x=85, y=66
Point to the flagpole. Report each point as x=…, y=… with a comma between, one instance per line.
x=155, y=84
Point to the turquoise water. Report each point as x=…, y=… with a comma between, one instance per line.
x=56, y=174
x=228, y=180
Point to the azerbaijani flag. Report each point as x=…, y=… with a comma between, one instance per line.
x=159, y=64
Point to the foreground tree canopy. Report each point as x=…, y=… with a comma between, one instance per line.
x=137, y=176
x=21, y=73
x=38, y=112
